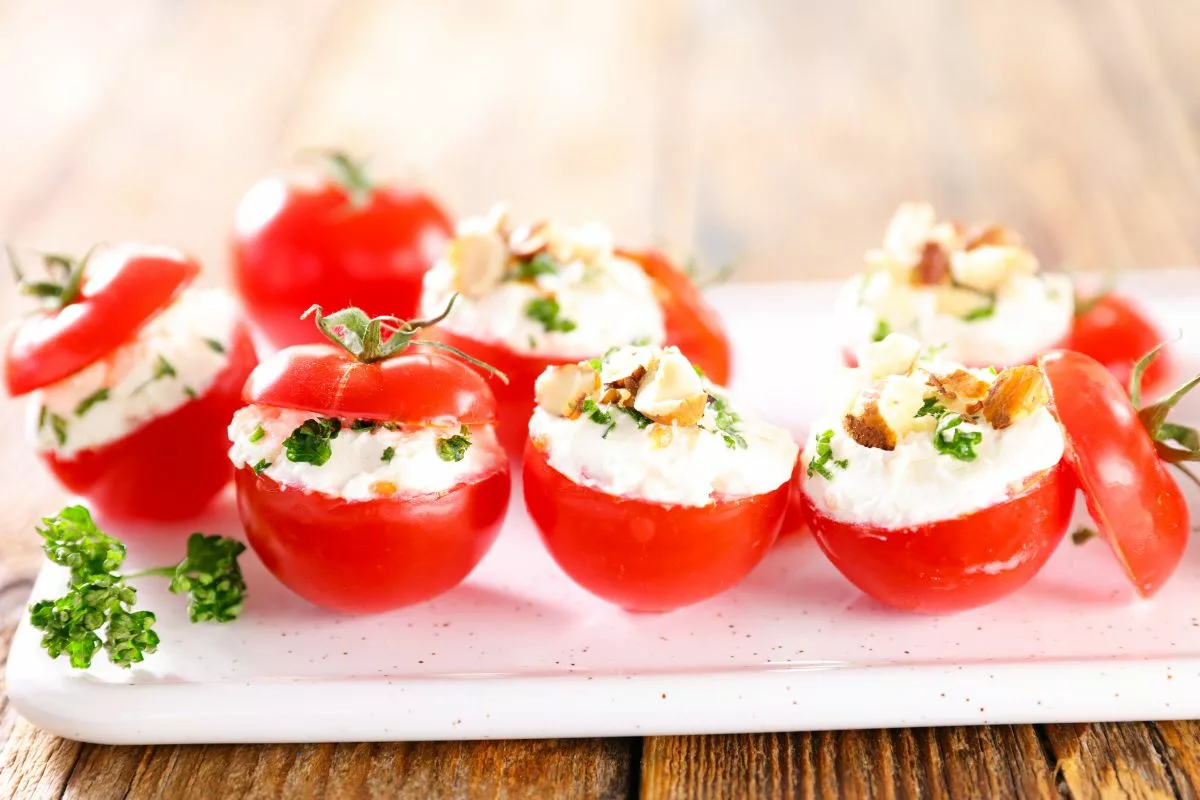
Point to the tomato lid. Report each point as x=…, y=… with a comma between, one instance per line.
x=1118, y=458
x=105, y=300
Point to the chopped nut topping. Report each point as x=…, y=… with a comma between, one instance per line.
x=630, y=382
x=988, y=267
x=1016, y=393
x=529, y=240
x=563, y=390
x=661, y=436
x=479, y=257
x=617, y=397
x=869, y=428
x=997, y=235
x=671, y=391
x=934, y=266
x=959, y=385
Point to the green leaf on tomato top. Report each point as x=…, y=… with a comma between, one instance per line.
x=1175, y=444
x=958, y=443
x=454, y=448
x=310, y=443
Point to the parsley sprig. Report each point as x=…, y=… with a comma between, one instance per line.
x=529, y=269
x=310, y=442
x=727, y=422
x=949, y=438
x=98, y=610
x=453, y=448
x=819, y=464
x=547, y=311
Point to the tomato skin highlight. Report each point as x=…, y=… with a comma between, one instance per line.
x=1136, y=504
x=294, y=245
x=645, y=556
x=1115, y=332
x=369, y=556
x=941, y=567
x=129, y=286
x=173, y=466
x=413, y=388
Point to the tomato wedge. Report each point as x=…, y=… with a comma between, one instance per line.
x=1135, y=503
x=121, y=288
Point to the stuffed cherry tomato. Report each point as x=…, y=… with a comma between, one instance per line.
x=651, y=488
x=546, y=295
x=933, y=487
x=132, y=378
x=369, y=476
x=336, y=240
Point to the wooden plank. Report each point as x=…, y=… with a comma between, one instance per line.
x=1106, y=760
x=1000, y=761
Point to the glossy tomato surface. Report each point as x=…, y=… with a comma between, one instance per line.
x=693, y=325
x=123, y=287
x=954, y=564
x=297, y=243
x=1116, y=332
x=411, y=388
x=645, y=556
x=1135, y=503
x=368, y=556
x=172, y=466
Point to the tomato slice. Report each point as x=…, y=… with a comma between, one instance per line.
x=1115, y=332
x=368, y=556
x=954, y=564
x=1135, y=503
x=123, y=288
x=411, y=388
x=646, y=556
x=693, y=325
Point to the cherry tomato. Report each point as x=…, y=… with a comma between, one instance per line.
x=172, y=466
x=1115, y=332
x=366, y=556
x=338, y=242
x=646, y=556
x=952, y=564
x=116, y=291
x=693, y=325
x=369, y=556
x=1134, y=502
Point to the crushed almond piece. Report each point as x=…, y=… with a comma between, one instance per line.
x=497, y=219
x=479, y=258
x=869, y=428
x=1016, y=393
x=934, y=265
x=671, y=391
x=616, y=396
x=629, y=382
x=988, y=267
x=959, y=385
x=661, y=436
x=529, y=240
x=563, y=390
x=997, y=235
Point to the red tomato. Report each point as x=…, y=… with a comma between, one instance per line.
x=122, y=288
x=952, y=564
x=1114, y=331
x=371, y=555
x=692, y=324
x=172, y=466
x=646, y=556
x=1134, y=502
x=338, y=242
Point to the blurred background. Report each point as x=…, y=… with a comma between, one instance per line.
x=780, y=134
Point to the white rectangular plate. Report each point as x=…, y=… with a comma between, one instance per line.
x=520, y=651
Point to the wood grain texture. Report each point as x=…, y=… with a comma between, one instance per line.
x=777, y=133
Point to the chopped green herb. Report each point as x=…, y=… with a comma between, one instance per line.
x=596, y=414
x=257, y=434
x=261, y=466
x=532, y=342
x=596, y=363
x=882, y=331
x=190, y=392
x=638, y=417
x=641, y=341
x=57, y=424
x=698, y=371
x=540, y=264
x=546, y=311
x=819, y=464
x=453, y=448
x=215, y=346
x=85, y=405
x=931, y=408
x=42, y=417
x=1082, y=534
x=982, y=312
x=309, y=443
x=959, y=443
x=363, y=425
x=727, y=421
x=388, y=454
x=163, y=369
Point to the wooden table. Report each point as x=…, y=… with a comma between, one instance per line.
x=777, y=133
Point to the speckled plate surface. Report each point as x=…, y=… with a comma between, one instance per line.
x=520, y=651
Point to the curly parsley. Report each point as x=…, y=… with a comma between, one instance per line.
x=546, y=311
x=949, y=439
x=453, y=448
x=820, y=463
x=727, y=421
x=388, y=454
x=310, y=443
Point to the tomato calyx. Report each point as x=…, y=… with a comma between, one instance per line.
x=350, y=174
x=1175, y=444
x=64, y=278
x=373, y=339
x=1085, y=304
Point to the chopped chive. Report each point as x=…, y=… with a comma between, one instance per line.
x=260, y=466
x=257, y=434
x=215, y=346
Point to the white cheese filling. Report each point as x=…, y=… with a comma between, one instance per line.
x=174, y=358
x=362, y=464
x=1032, y=314
x=915, y=483
x=693, y=465
x=608, y=301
